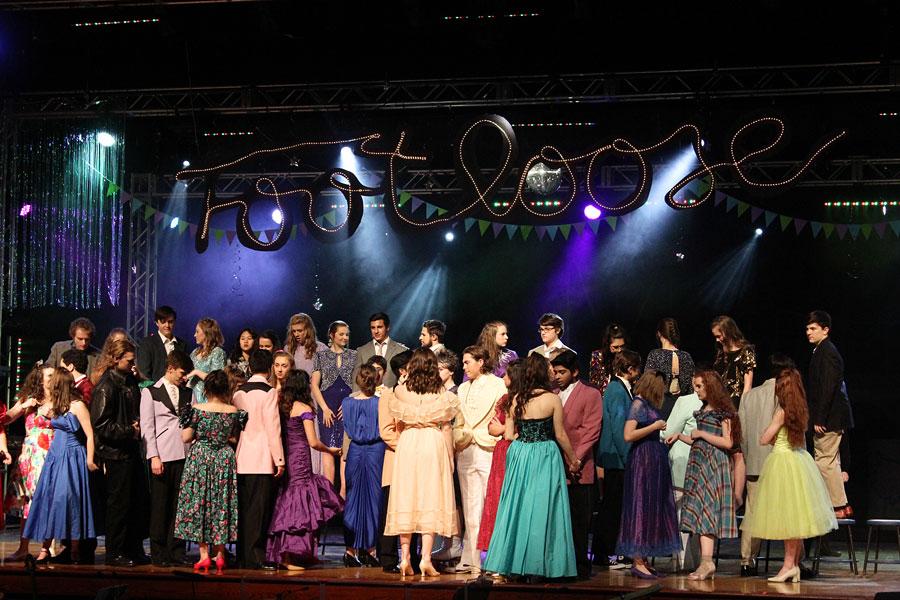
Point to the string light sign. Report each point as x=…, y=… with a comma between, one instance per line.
x=483, y=187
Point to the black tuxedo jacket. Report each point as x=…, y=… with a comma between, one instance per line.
x=151, y=356
x=826, y=390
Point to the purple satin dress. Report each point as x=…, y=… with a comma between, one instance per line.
x=305, y=501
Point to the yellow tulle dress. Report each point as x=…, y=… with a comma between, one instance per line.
x=792, y=501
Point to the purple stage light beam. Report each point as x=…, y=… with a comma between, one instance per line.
x=25, y=210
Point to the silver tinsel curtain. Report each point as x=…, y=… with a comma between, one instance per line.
x=64, y=217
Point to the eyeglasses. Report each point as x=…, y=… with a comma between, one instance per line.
x=546, y=328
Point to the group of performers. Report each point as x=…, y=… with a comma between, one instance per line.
x=501, y=473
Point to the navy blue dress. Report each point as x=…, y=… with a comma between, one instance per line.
x=649, y=525
x=61, y=507
x=365, y=459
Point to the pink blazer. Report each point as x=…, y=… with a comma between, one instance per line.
x=582, y=416
x=259, y=448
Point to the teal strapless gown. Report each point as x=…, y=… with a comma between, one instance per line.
x=533, y=530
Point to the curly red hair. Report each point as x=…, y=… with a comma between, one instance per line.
x=718, y=398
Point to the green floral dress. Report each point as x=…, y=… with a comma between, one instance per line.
x=208, y=501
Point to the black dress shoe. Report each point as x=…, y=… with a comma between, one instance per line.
x=351, y=561
x=119, y=561
x=161, y=563
x=269, y=566
x=368, y=560
x=806, y=573
x=395, y=570
x=181, y=562
x=749, y=571
x=63, y=558
x=141, y=559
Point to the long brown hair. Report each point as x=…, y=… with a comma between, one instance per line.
x=717, y=398
x=62, y=391
x=730, y=331
x=792, y=398
x=423, y=375
x=515, y=371
x=33, y=386
x=487, y=339
x=651, y=387
x=295, y=388
x=535, y=381
x=309, y=344
x=113, y=353
x=212, y=335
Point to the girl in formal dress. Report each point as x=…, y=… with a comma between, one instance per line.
x=207, y=510
x=422, y=498
x=380, y=365
x=106, y=359
x=649, y=526
x=303, y=343
x=240, y=354
x=708, y=506
x=735, y=362
x=494, y=338
x=61, y=507
x=282, y=364
x=613, y=342
x=533, y=530
x=793, y=503
x=676, y=365
x=513, y=380
x=332, y=380
x=305, y=501
x=364, y=462
x=33, y=404
x=208, y=356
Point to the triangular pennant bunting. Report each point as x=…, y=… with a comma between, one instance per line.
x=540, y=230
x=404, y=198
x=799, y=224
x=816, y=227
x=229, y=235
x=841, y=230
x=526, y=231
x=742, y=208
x=784, y=220
x=497, y=227
x=148, y=212
x=895, y=225
x=730, y=202
x=416, y=203
x=880, y=228
x=483, y=226
x=611, y=221
x=866, y=230
x=430, y=209
x=579, y=228
x=827, y=228
x=854, y=230
x=511, y=230
x=594, y=225
x=565, y=230
x=718, y=197
x=770, y=216
x=551, y=231
x=158, y=217
x=755, y=213
x=112, y=190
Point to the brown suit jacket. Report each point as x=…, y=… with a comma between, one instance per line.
x=582, y=417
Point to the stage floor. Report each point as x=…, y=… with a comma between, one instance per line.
x=332, y=582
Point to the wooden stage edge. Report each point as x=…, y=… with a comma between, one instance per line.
x=340, y=584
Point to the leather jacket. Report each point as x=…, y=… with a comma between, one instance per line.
x=115, y=406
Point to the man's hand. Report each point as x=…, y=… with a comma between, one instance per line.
x=156, y=466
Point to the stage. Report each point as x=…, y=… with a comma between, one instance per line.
x=341, y=583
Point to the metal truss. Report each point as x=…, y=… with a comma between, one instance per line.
x=483, y=92
x=143, y=251
x=436, y=182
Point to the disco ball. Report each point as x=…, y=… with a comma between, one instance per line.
x=318, y=305
x=542, y=180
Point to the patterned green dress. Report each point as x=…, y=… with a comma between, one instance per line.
x=208, y=502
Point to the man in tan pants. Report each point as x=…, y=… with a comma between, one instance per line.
x=829, y=408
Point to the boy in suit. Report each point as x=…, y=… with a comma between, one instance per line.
x=260, y=460
x=582, y=415
x=612, y=452
x=381, y=344
x=153, y=349
x=830, y=414
x=551, y=327
x=161, y=405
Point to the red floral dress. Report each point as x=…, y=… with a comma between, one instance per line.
x=494, y=486
x=38, y=435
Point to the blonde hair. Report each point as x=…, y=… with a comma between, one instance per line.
x=212, y=335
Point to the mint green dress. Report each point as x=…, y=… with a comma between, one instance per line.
x=533, y=530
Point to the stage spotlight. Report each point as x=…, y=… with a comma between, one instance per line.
x=702, y=142
x=592, y=212
x=105, y=139
x=185, y=163
x=449, y=236
x=758, y=232
x=25, y=210
x=277, y=216
x=679, y=256
x=346, y=153
x=174, y=223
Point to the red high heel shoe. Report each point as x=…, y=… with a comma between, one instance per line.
x=202, y=565
x=220, y=564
